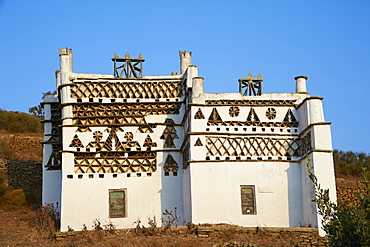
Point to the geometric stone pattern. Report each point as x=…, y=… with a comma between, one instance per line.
x=123, y=109
x=198, y=143
x=126, y=120
x=114, y=155
x=115, y=162
x=127, y=90
x=270, y=113
x=253, y=120
x=170, y=165
x=55, y=160
x=215, y=119
x=306, y=145
x=252, y=102
x=148, y=143
x=76, y=142
x=199, y=114
x=185, y=156
x=121, y=113
x=252, y=146
x=169, y=134
x=234, y=111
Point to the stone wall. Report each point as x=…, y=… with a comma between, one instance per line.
x=346, y=189
x=26, y=175
x=300, y=236
x=21, y=146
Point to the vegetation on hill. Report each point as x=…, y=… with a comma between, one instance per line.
x=350, y=163
x=18, y=122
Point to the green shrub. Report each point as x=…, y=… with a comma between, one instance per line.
x=18, y=122
x=344, y=225
x=350, y=163
x=15, y=198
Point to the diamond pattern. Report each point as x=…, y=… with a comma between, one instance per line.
x=130, y=90
x=252, y=146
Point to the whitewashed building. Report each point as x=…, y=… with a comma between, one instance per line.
x=125, y=146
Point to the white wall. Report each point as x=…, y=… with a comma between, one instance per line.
x=216, y=194
x=187, y=195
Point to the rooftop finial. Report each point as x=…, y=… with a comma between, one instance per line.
x=131, y=67
x=251, y=86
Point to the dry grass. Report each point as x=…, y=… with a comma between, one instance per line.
x=20, y=122
x=23, y=226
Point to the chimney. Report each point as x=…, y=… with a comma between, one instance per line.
x=198, y=86
x=185, y=60
x=301, y=84
x=65, y=65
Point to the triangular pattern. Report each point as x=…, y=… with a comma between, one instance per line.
x=148, y=143
x=116, y=163
x=199, y=114
x=252, y=117
x=120, y=110
x=54, y=162
x=289, y=117
x=55, y=131
x=198, y=143
x=169, y=134
x=129, y=136
x=169, y=121
x=110, y=121
x=214, y=118
x=170, y=164
x=119, y=129
x=169, y=143
x=76, y=142
x=144, y=129
x=111, y=142
x=54, y=139
x=83, y=129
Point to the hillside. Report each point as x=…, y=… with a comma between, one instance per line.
x=21, y=146
x=18, y=122
x=20, y=136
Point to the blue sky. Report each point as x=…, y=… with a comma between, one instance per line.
x=329, y=41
